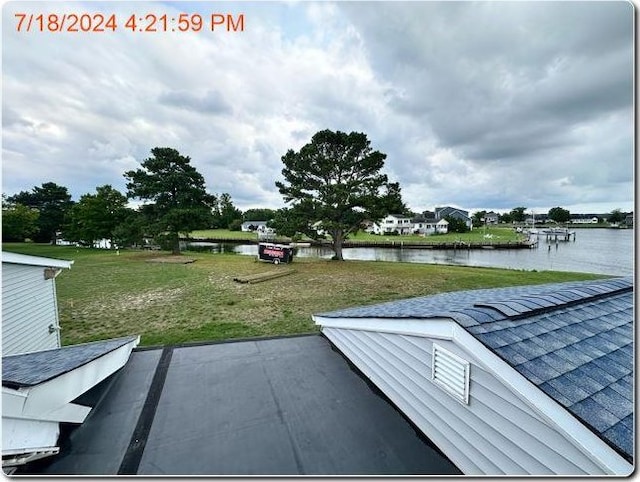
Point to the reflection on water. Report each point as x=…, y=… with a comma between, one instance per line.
x=604, y=251
x=215, y=248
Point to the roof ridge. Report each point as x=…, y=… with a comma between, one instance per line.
x=548, y=301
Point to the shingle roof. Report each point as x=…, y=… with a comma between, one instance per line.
x=572, y=340
x=30, y=369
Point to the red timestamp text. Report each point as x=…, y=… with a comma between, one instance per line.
x=67, y=22
x=145, y=22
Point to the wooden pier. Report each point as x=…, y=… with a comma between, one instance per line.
x=557, y=235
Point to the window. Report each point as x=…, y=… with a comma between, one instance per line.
x=451, y=373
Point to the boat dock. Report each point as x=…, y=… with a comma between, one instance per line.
x=556, y=235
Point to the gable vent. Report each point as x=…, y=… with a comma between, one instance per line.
x=451, y=373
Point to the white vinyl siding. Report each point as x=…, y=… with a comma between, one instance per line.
x=28, y=308
x=496, y=433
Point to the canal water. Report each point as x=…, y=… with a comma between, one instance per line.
x=603, y=251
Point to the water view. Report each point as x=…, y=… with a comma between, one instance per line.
x=603, y=251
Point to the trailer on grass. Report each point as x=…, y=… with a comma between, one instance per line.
x=275, y=253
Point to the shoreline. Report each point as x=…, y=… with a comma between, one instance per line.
x=400, y=244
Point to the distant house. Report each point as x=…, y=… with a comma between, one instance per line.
x=431, y=226
x=394, y=223
x=532, y=380
x=249, y=226
x=491, y=218
x=443, y=212
x=584, y=220
x=29, y=306
x=41, y=380
x=628, y=220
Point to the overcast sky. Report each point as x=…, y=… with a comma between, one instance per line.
x=487, y=105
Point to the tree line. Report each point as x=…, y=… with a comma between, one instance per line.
x=175, y=201
x=331, y=186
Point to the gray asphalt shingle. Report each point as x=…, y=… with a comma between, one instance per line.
x=30, y=369
x=573, y=340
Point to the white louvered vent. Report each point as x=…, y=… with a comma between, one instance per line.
x=450, y=372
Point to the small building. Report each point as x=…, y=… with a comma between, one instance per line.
x=533, y=380
x=29, y=306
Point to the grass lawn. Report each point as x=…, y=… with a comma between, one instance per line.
x=223, y=234
x=478, y=235
x=108, y=295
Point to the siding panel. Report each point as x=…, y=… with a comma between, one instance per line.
x=28, y=308
x=479, y=437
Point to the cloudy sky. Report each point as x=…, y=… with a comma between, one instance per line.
x=485, y=105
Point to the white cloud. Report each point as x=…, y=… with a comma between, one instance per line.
x=475, y=104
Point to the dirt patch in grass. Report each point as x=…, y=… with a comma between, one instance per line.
x=133, y=301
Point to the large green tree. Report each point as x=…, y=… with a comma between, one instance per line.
x=52, y=202
x=616, y=216
x=478, y=219
x=335, y=183
x=176, y=191
x=456, y=225
x=226, y=213
x=96, y=216
x=258, y=214
x=131, y=230
x=559, y=215
x=18, y=221
x=517, y=214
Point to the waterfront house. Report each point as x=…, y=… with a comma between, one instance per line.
x=491, y=218
x=522, y=380
x=250, y=226
x=443, y=212
x=584, y=220
x=427, y=227
x=394, y=223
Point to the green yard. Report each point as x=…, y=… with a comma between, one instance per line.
x=478, y=235
x=106, y=294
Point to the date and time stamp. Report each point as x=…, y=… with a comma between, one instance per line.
x=146, y=22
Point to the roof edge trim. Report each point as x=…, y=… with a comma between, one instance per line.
x=440, y=328
x=16, y=258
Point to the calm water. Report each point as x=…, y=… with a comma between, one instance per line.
x=604, y=251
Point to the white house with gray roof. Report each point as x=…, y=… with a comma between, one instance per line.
x=531, y=380
x=429, y=226
x=397, y=223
